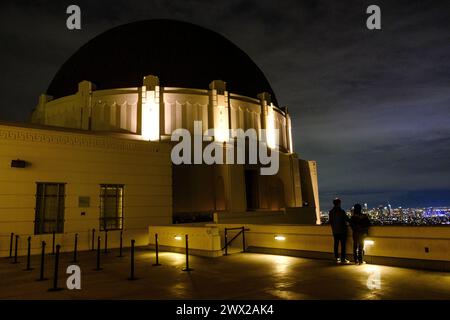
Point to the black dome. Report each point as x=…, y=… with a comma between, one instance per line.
x=179, y=53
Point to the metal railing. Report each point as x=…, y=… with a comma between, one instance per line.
x=228, y=243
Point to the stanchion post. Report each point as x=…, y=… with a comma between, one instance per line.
x=41, y=276
x=226, y=241
x=11, y=240
x=120, y=244
x=75, y=248
x=243, y=239
x=28, y=268
x=106, y=241
x=98, y=268
x=15, y=249
x=55, y=272
x=156, y=251
x=132, y=277
x=53, y=242
x=93, y=237
x=187, y=255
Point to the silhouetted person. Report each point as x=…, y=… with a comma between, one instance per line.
x=360, y=224
x=338, y=221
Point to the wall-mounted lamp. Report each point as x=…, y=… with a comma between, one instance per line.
x=368, y=242
x=18, y=163
x=280, y=238
x=177, y=237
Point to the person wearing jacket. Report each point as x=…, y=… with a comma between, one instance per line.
x=338, y=221
x=360, y=224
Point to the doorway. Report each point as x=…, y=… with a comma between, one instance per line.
x=251, y=189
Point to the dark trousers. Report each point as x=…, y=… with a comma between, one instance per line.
x=358, y=246
x=342, y=239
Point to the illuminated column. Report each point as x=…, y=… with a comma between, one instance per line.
x=315, y=188
x=218, y=110
x=264, y=100
x=218, y=119
x=289, y=132
x=85, y=89
x=268, y=120
x=150, y=109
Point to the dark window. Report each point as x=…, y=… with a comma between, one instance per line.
x=111, y=207
x=49, y=208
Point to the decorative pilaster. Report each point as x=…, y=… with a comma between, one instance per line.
x=150, y=109
x=268, y=120
x=85, y=89
x=218, y=110
x=289, y=143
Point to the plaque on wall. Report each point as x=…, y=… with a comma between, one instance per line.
x=84, y=202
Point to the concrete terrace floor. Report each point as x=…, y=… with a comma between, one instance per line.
x=237, y=276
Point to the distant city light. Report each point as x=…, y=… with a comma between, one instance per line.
x=280, y=238
x=381, y=215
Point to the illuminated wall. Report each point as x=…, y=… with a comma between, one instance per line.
x=83, y=162
x=152, y=112
x=392, y=245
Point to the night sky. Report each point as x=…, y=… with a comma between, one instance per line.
x=371, y=107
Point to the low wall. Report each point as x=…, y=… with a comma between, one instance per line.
x=203, y=241
x=418, y=247
x=300, y=215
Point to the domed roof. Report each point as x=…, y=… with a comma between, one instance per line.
x=179, y=53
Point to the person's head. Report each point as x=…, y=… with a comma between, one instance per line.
x=357, y=209
x=337, y=202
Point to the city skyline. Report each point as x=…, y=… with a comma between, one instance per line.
x=376, y=126
x=389, y=215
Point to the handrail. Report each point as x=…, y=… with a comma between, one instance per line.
x=227, y=243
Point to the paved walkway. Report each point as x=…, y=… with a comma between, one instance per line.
x=238, y=276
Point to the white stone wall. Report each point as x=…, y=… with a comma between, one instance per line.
x=115, y=110
x=201, y=240
x=121, y=109
x=388, y=241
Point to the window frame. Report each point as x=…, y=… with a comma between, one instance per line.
x=118, y=218
x=59, y=222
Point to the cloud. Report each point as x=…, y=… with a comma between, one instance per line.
x=372, y=107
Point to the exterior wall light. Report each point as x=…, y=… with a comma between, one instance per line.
x=368, y=242
x=280, y=238
x=178, y=238
x=18, y=163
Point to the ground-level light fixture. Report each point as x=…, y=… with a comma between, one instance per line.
x=280, y=238
x=177, y=237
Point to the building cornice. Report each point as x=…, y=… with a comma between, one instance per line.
x=76, y=139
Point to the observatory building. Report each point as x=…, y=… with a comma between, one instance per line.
x=97, y=153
